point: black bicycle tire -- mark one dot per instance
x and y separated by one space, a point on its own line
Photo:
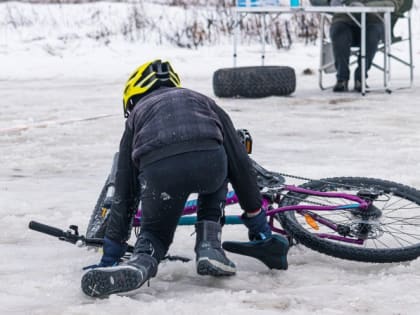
97 223
254 82
294 229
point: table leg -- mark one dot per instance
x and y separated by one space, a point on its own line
263 34
363 53
236 31
387 53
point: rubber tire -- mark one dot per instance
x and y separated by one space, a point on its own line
97 224
341 250
254 82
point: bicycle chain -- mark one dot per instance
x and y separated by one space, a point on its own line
295 176
318 180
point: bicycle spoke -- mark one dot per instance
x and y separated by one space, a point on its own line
387 207
402 221
415 236
374 241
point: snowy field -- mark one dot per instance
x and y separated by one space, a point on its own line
60 124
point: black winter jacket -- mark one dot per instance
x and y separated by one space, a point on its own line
170 121
371 18
167 122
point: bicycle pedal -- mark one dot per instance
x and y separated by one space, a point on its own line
176 258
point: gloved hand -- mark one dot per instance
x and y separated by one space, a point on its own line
258 227
113 251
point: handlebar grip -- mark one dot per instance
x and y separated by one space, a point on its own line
47 229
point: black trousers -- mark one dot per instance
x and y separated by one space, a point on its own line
344 36
166 185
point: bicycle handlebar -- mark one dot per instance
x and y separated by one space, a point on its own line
71 236
47 229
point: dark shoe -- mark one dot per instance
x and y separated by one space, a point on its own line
125 278
358 86
210 257
271 251
341 86
258 227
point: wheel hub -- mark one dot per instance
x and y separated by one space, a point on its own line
366 223
366 229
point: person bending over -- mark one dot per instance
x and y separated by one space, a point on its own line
176 142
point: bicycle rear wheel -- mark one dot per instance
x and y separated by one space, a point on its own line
390 233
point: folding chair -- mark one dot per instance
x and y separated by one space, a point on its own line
404 15
327 57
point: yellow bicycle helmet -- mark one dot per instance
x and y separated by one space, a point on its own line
147 77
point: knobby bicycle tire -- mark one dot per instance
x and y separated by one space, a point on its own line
97 222
99 217
395 237
254 82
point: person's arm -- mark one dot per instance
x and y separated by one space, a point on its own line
127 192
384 3
241 173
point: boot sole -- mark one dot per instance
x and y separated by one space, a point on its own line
102 282
208 267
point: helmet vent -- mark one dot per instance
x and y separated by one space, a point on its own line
146 78
133 75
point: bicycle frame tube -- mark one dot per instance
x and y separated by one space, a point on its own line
231 198
360 203
302 209
191 208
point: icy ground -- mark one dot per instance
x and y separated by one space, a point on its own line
60 124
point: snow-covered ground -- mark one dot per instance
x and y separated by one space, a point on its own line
60 124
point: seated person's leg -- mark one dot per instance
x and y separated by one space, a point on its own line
374 34
342 37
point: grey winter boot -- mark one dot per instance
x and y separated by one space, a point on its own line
210 257
125 278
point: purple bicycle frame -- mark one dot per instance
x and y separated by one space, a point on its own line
231 198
